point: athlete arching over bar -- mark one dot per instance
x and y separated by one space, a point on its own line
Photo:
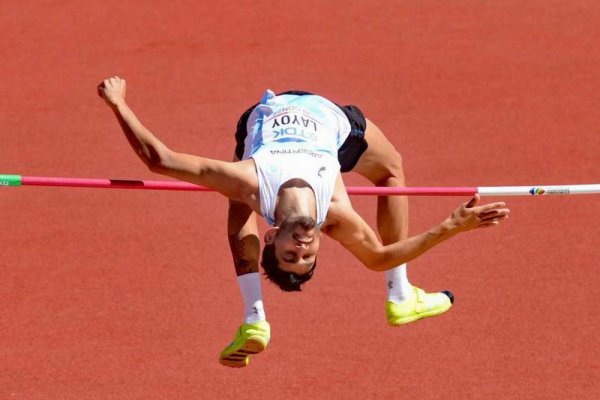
290 151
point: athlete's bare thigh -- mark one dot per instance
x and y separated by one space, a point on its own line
381 160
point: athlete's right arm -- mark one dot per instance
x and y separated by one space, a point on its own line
233 180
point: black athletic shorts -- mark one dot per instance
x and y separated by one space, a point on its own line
352 148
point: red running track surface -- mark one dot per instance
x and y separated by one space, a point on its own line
130 295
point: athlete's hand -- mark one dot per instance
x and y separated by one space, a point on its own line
112 90
471 216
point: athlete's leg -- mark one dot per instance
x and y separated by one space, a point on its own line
242 232
382 165
254 334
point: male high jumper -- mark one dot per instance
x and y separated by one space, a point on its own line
293 147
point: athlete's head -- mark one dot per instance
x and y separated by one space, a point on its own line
289 256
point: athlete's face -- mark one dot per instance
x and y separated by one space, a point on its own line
296 244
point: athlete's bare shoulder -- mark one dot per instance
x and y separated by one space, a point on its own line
247 169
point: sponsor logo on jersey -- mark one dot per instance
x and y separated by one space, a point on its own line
293 127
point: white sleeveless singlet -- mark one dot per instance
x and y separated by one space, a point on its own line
295 137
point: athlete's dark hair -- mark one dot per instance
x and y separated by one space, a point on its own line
287 281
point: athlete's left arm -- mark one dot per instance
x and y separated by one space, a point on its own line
348 228
352 232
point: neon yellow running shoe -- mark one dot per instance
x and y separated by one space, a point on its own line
249 339
419 305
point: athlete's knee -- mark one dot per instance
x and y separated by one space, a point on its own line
392 171
396 162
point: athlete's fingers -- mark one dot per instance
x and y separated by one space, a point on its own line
492 218
490 207
503 212
489 224
473 202
99 88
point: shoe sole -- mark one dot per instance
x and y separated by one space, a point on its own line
413 318
240 358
